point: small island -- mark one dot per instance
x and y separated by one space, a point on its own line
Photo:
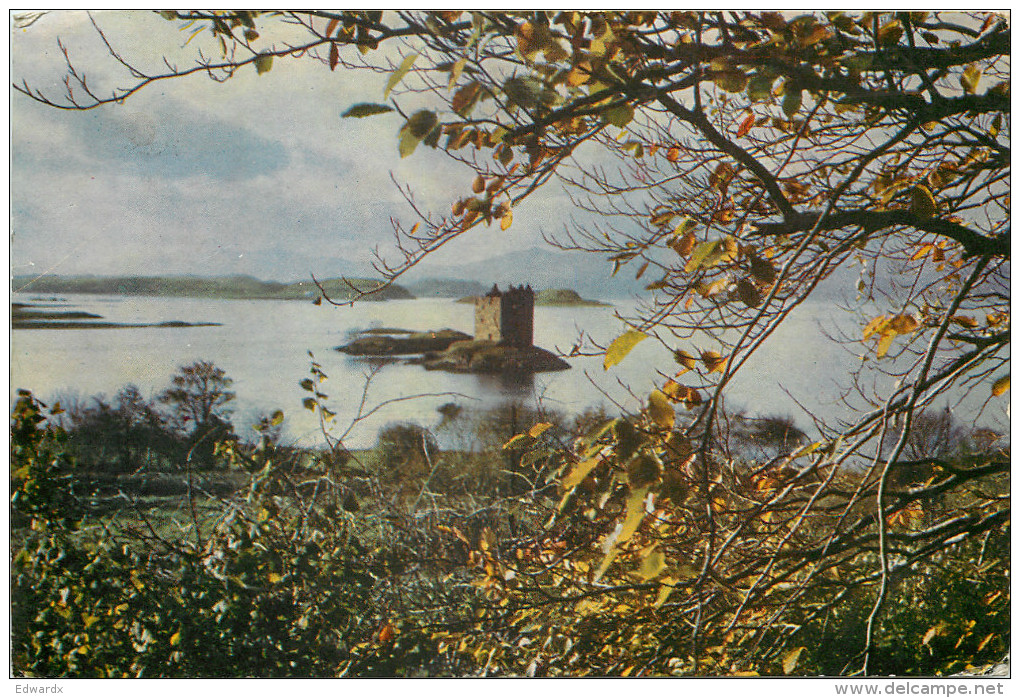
28 316
503 341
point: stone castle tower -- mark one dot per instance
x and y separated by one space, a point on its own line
507 318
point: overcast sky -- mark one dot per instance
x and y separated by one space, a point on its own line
258 175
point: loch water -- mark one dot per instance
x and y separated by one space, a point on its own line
264 347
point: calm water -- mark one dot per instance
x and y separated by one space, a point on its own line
264 345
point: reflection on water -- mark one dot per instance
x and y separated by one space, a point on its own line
513 386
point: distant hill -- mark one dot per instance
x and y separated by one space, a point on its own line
445 288
229 287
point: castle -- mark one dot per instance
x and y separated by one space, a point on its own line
507 318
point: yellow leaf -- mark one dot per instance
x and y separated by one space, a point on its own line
665 589
635 514
884 343
175 639
507 220
810 448
517 441
876 325
790 660
621 346
660 410
399 73
539 429
580 472
1001 385
652 565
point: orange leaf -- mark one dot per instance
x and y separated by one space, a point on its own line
673 154
387 633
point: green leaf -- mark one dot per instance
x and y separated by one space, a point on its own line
360 111
277 418
421 123
759 88
619 116
732 80
791 102
621 346
307 384
263 63
922 203
708 254
399 73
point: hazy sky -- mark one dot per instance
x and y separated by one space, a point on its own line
257 175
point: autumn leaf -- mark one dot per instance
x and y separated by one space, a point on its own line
652 564
683 245
387 633
621 346
399 73
922 203
660 410
748 294
745 125
507 220
762 270
580 472
673 154
884 344
539 429
902 324
360 111
684 359
970 78
1000 386
263 63
790 660
713 361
